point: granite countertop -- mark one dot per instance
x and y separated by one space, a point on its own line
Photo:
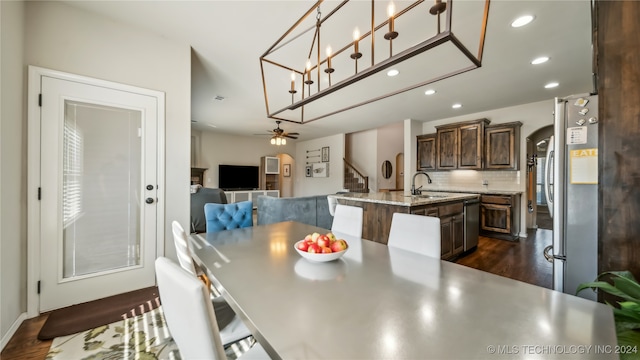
405 198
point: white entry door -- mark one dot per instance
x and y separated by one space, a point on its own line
98 216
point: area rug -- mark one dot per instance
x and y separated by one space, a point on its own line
90 315
144 337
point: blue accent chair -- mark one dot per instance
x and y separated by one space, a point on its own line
228 216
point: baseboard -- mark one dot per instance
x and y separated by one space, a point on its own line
12 330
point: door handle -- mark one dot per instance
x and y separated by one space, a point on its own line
548 187
546 254
550 257
149 200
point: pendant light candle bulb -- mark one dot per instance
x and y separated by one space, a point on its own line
356 39
329 56
391 10
308 70
293 80
392 34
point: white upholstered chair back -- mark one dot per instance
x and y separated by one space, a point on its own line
332 204
415 233
348 220
182 248
188 312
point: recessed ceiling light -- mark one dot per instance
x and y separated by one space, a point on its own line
393 72
456 106
522 21
430 92
540 60
551 85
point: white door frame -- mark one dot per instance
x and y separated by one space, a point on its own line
33 170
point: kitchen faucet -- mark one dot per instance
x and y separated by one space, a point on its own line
417 191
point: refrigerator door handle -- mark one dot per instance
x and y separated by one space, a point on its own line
550 257
547 172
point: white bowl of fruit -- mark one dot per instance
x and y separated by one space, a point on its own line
321 247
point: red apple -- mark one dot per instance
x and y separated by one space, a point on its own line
314 249
326 250
302 245
323 241
331 236
315 236
339 245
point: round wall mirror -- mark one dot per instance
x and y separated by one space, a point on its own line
387 169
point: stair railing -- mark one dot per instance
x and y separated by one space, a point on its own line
354 180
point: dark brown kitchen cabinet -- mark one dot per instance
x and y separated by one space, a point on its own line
451 230
426 152
461 145
502 146
498 216
447 145
470 145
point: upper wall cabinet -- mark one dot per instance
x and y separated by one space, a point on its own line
460 145
426 152
502 146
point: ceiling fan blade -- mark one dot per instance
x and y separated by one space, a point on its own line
293 133
290 137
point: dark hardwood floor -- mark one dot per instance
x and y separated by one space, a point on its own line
520 260
24 345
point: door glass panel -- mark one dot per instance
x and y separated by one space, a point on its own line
101 188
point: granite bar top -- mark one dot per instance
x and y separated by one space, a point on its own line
405 198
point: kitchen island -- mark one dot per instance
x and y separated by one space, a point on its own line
458 233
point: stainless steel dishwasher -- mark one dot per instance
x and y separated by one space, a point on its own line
471 224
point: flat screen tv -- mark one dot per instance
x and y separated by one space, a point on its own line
238 177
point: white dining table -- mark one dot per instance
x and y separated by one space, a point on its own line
378 302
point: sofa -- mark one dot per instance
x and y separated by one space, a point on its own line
198 199
311 210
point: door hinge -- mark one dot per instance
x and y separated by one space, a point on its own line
40 100
39 193
38 286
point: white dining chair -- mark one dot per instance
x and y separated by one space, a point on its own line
332 204
348 220
417 233
190 316
232 327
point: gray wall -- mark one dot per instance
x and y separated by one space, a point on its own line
61 37
13 156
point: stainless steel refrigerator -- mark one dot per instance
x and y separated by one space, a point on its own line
572 193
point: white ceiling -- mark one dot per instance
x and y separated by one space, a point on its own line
228 37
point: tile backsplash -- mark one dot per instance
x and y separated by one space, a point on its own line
472 180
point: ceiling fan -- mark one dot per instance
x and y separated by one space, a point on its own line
277 132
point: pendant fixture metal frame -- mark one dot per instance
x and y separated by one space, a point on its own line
323 64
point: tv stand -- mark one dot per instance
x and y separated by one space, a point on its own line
246 195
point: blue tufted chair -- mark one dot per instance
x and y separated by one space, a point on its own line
228 216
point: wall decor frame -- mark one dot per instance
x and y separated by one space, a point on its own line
325 154
320 169
286 170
